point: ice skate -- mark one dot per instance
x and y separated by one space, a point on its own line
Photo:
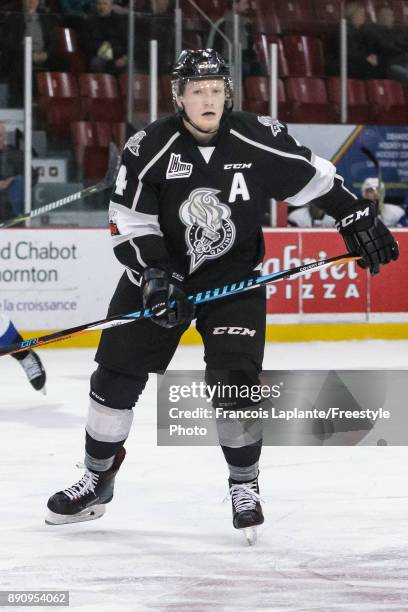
34 370
246 508
85 500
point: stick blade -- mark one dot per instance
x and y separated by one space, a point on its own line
370 156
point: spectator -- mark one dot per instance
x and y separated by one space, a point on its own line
362 61
75 11
76 8
157 25
250 64
391 214
121 7
104 39
11 178
310 216
42 29
390 43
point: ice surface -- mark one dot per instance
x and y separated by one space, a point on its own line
336 529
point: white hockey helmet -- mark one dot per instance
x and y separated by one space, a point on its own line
372 182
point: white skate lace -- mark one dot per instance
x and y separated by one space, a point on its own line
87 484
244 496
31 366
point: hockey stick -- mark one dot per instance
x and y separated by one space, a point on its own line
105 183
376 163
201 297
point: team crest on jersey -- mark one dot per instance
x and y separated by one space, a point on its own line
133 144
209 230
177 168
274 124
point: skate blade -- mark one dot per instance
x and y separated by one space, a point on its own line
89 514
250 535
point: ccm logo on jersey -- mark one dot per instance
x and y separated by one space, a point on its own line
236 166
353 217
234 331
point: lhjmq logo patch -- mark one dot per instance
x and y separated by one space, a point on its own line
209 229
133 144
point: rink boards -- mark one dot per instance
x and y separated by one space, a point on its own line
54 279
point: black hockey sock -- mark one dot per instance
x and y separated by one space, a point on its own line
99 456
243 461
243 456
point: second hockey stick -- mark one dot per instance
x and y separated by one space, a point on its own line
201 297
105 183
370 155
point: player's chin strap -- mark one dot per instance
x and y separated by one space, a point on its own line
183 115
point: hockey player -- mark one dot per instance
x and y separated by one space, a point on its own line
29 360
390 214
186 215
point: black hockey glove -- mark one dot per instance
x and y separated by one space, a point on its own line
158 293
366 235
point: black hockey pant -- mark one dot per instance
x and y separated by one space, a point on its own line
233 333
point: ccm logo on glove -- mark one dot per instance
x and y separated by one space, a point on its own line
349 219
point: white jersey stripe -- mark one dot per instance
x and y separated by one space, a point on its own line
320 183
149 165
341 179
259 145
131 276
138 255
131 223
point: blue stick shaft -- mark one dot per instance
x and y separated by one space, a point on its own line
201 297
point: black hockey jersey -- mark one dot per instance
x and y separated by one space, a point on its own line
197 210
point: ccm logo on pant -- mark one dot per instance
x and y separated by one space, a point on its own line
234 331
354 217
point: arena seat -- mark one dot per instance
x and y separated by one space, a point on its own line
327 10
358 108
401 12
68 49
100 97
265 19
214 9
192 19
107 132
293 15
369 6
261 45
328 14
91 157
304 55
310 103
59 101
257 97
388 101
140 90
165 96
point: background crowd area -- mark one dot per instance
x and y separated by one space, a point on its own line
80 61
